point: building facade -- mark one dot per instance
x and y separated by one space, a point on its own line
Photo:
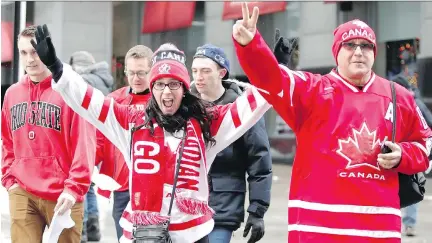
109 29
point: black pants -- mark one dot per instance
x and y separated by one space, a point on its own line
205 239
121 200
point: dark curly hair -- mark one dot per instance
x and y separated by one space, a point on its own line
191 107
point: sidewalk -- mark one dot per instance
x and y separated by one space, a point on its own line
275 220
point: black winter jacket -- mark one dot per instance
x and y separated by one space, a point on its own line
403 81
423 108
227 178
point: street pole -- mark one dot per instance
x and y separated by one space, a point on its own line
23 22
19 25
15 62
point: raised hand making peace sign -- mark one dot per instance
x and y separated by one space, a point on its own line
244 30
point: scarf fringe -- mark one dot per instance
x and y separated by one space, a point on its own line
148 218
193 206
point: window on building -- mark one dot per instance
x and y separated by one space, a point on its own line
187 39
8 15
7 70
196 33
289 21
402 59
367 11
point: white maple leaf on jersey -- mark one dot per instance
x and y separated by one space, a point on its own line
361 149
360 24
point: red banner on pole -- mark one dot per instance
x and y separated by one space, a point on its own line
232 10
165 16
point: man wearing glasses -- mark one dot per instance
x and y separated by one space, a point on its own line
343 187
137 66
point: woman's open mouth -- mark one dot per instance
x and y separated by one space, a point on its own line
167 102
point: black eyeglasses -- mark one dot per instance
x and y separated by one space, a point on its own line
363 46
171 85
140 74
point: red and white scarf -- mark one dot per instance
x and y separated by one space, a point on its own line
154 165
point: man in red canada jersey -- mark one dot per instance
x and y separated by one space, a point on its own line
342 188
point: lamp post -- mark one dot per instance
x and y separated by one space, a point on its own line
19 25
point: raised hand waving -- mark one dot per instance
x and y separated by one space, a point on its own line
46 51
44 46
244 30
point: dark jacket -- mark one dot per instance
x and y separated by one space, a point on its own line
423 108
227 178
403 81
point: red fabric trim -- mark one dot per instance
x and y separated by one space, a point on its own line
164 16
234 114
104 111
87 97
232 10
252 101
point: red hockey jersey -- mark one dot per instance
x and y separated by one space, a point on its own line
338 191
109 157
115 121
